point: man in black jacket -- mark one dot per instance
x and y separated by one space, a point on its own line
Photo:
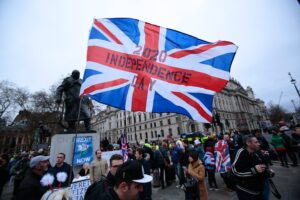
129 182
250 170
95 190
30 187
62 166
147 192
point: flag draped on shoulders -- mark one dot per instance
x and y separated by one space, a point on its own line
137 66
223 163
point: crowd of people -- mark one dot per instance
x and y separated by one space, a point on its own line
242 160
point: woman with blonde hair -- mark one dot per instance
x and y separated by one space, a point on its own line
85 170
196 172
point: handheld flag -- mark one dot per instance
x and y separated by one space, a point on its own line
124 147
138 66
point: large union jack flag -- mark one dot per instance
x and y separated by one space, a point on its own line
138 66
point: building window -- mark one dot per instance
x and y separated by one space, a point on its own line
170 131
150 125
141 136
140 118
193 128
145 117
145 126
169 121
178 130
146 135
140 127
162 133
155 133
151 134
161 123
154 124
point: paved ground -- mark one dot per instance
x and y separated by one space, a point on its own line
287 181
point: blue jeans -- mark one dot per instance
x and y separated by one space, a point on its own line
179 173
266 190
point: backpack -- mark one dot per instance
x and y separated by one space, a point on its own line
95 190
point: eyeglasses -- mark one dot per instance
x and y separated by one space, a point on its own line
115 166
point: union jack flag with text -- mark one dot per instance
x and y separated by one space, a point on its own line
137 66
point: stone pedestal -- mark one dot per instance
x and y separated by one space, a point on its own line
65 143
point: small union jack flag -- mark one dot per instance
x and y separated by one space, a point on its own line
138 66
124 147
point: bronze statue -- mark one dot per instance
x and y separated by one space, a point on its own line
71 88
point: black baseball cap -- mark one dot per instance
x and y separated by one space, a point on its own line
132 170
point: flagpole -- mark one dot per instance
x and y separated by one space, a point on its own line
125 124
75 139
134 121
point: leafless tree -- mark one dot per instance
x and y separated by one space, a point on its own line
21 98
277 113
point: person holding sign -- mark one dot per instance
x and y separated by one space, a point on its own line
85 170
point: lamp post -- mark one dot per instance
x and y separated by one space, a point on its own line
293 81
294 105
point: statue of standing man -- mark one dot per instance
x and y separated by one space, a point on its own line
71 88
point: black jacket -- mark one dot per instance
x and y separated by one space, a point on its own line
243 167
30 187
64 168
95 191
109 194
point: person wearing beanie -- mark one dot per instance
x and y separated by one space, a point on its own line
199 148
210 166
279 145
30 187
289 145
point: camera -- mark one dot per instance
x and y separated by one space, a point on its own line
270 173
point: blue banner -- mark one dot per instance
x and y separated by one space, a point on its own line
83 150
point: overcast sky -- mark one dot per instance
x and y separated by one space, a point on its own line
42 41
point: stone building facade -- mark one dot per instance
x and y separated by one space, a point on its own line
235 107
239 109
29 131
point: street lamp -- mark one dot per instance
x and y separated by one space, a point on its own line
293 81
